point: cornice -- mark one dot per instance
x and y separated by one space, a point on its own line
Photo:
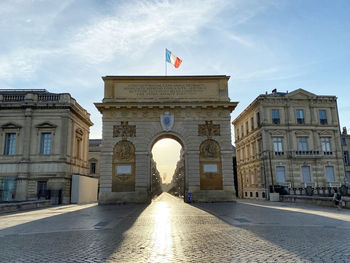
161 105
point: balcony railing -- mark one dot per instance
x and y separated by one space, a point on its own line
323 121
334 184
328 153
275 121
300 121
49 97
279 153
310 153
13 98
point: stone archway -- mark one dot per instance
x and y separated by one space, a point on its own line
194 110
179 140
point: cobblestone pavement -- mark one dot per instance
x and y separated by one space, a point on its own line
168 230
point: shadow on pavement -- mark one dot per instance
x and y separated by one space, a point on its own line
92 233
308 232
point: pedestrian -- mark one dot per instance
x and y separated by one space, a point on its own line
337 199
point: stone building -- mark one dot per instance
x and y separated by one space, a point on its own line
291 140
140 110
345 141
94 157
44 140
178 180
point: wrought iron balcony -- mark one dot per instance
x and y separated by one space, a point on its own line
279 153
306 154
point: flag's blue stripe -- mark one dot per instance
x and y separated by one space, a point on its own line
167 55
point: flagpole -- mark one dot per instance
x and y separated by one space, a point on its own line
165 64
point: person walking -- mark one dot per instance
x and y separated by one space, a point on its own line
337 199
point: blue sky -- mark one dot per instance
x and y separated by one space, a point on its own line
67 46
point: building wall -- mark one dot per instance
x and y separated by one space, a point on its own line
257 159
345 141
29 115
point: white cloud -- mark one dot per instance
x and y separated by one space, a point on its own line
139 24
21 63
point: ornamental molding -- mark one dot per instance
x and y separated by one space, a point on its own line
124 130
302 132
45 125
277 132
210 149
11 125
124 151
325 132
209 129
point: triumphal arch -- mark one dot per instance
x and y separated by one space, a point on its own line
140 110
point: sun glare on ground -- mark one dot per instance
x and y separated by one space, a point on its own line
166 153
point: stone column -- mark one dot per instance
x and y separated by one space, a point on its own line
192 171
227 170
27 134
21 189
334 115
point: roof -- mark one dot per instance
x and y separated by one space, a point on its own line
24 91
167 77
95 142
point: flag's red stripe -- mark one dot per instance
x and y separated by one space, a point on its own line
177 62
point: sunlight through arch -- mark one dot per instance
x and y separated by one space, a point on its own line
166 153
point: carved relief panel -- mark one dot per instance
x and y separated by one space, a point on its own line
123 177
124 130
210 165
209 129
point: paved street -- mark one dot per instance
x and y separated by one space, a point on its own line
168 230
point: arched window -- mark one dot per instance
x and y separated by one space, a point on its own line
123 167
210 165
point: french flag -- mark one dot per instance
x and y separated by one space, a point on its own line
171 58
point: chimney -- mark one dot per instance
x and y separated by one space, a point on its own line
345 132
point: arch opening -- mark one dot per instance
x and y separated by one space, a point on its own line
167 166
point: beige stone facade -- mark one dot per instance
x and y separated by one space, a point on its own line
139 111
44 140
94 157
345 141
291 140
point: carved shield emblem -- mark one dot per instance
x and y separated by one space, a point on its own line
167 121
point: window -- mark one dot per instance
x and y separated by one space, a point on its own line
252 177
246 127
302 143
7 188
237 132
92 168
258 118
252 122
275 116
280 174
326 145
323 116
277 144
78 151
10 143
305 171
346 158
343 141
330 174
347 176
45 143
42 191
254 148
300 116
242 131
